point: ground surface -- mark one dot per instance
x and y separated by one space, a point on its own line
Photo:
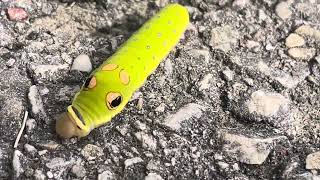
238 98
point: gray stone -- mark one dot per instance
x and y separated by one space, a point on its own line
78 170
174 121
132 161
313 161
91 152
248 150
153 176
283 10
267 104
16 163
224 38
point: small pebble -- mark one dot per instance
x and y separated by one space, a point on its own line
31 124
10 62
82 63
79 171
160 108
313 161
294 40
302 53
17 14
224 38
307 30
266 103
57 162
30 149
49 175
38 175
147 140
106 175
91 152
16 163
132 161
205 82
283 10
153 176
228 75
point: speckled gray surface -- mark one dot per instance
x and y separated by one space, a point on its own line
236 99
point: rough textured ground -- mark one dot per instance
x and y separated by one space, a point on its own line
238 98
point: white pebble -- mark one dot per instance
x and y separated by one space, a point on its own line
132 161
82 63
153 176
294 40
16 163
302 53
49 175
283 10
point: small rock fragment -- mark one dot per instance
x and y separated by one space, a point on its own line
294 40
307 30
153 176
224 38
10 62
79 171
147 140
31 124
313 161
267 104
17 14
132 161
252 44
35 100
57 163
240 3
16 164
38 175
30 149
161 108
188 111
302 53
50 145
106 175
248 81
283 10
82 63
228 75
205 82
168 67
91 152
200 53
248 150
49 174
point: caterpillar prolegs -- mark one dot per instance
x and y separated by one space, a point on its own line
109 87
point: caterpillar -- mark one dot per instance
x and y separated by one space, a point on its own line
109 87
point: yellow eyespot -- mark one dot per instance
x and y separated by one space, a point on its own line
113 100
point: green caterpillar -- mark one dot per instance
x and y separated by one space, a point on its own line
109 88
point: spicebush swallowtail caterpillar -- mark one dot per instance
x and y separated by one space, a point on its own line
110 87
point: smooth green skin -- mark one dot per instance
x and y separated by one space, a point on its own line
139 56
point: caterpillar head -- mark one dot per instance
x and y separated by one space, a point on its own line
69 124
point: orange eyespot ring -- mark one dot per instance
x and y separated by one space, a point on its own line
113 100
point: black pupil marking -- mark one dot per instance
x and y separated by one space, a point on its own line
86 84
78 115
116 102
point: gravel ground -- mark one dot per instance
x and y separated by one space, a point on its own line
238 98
